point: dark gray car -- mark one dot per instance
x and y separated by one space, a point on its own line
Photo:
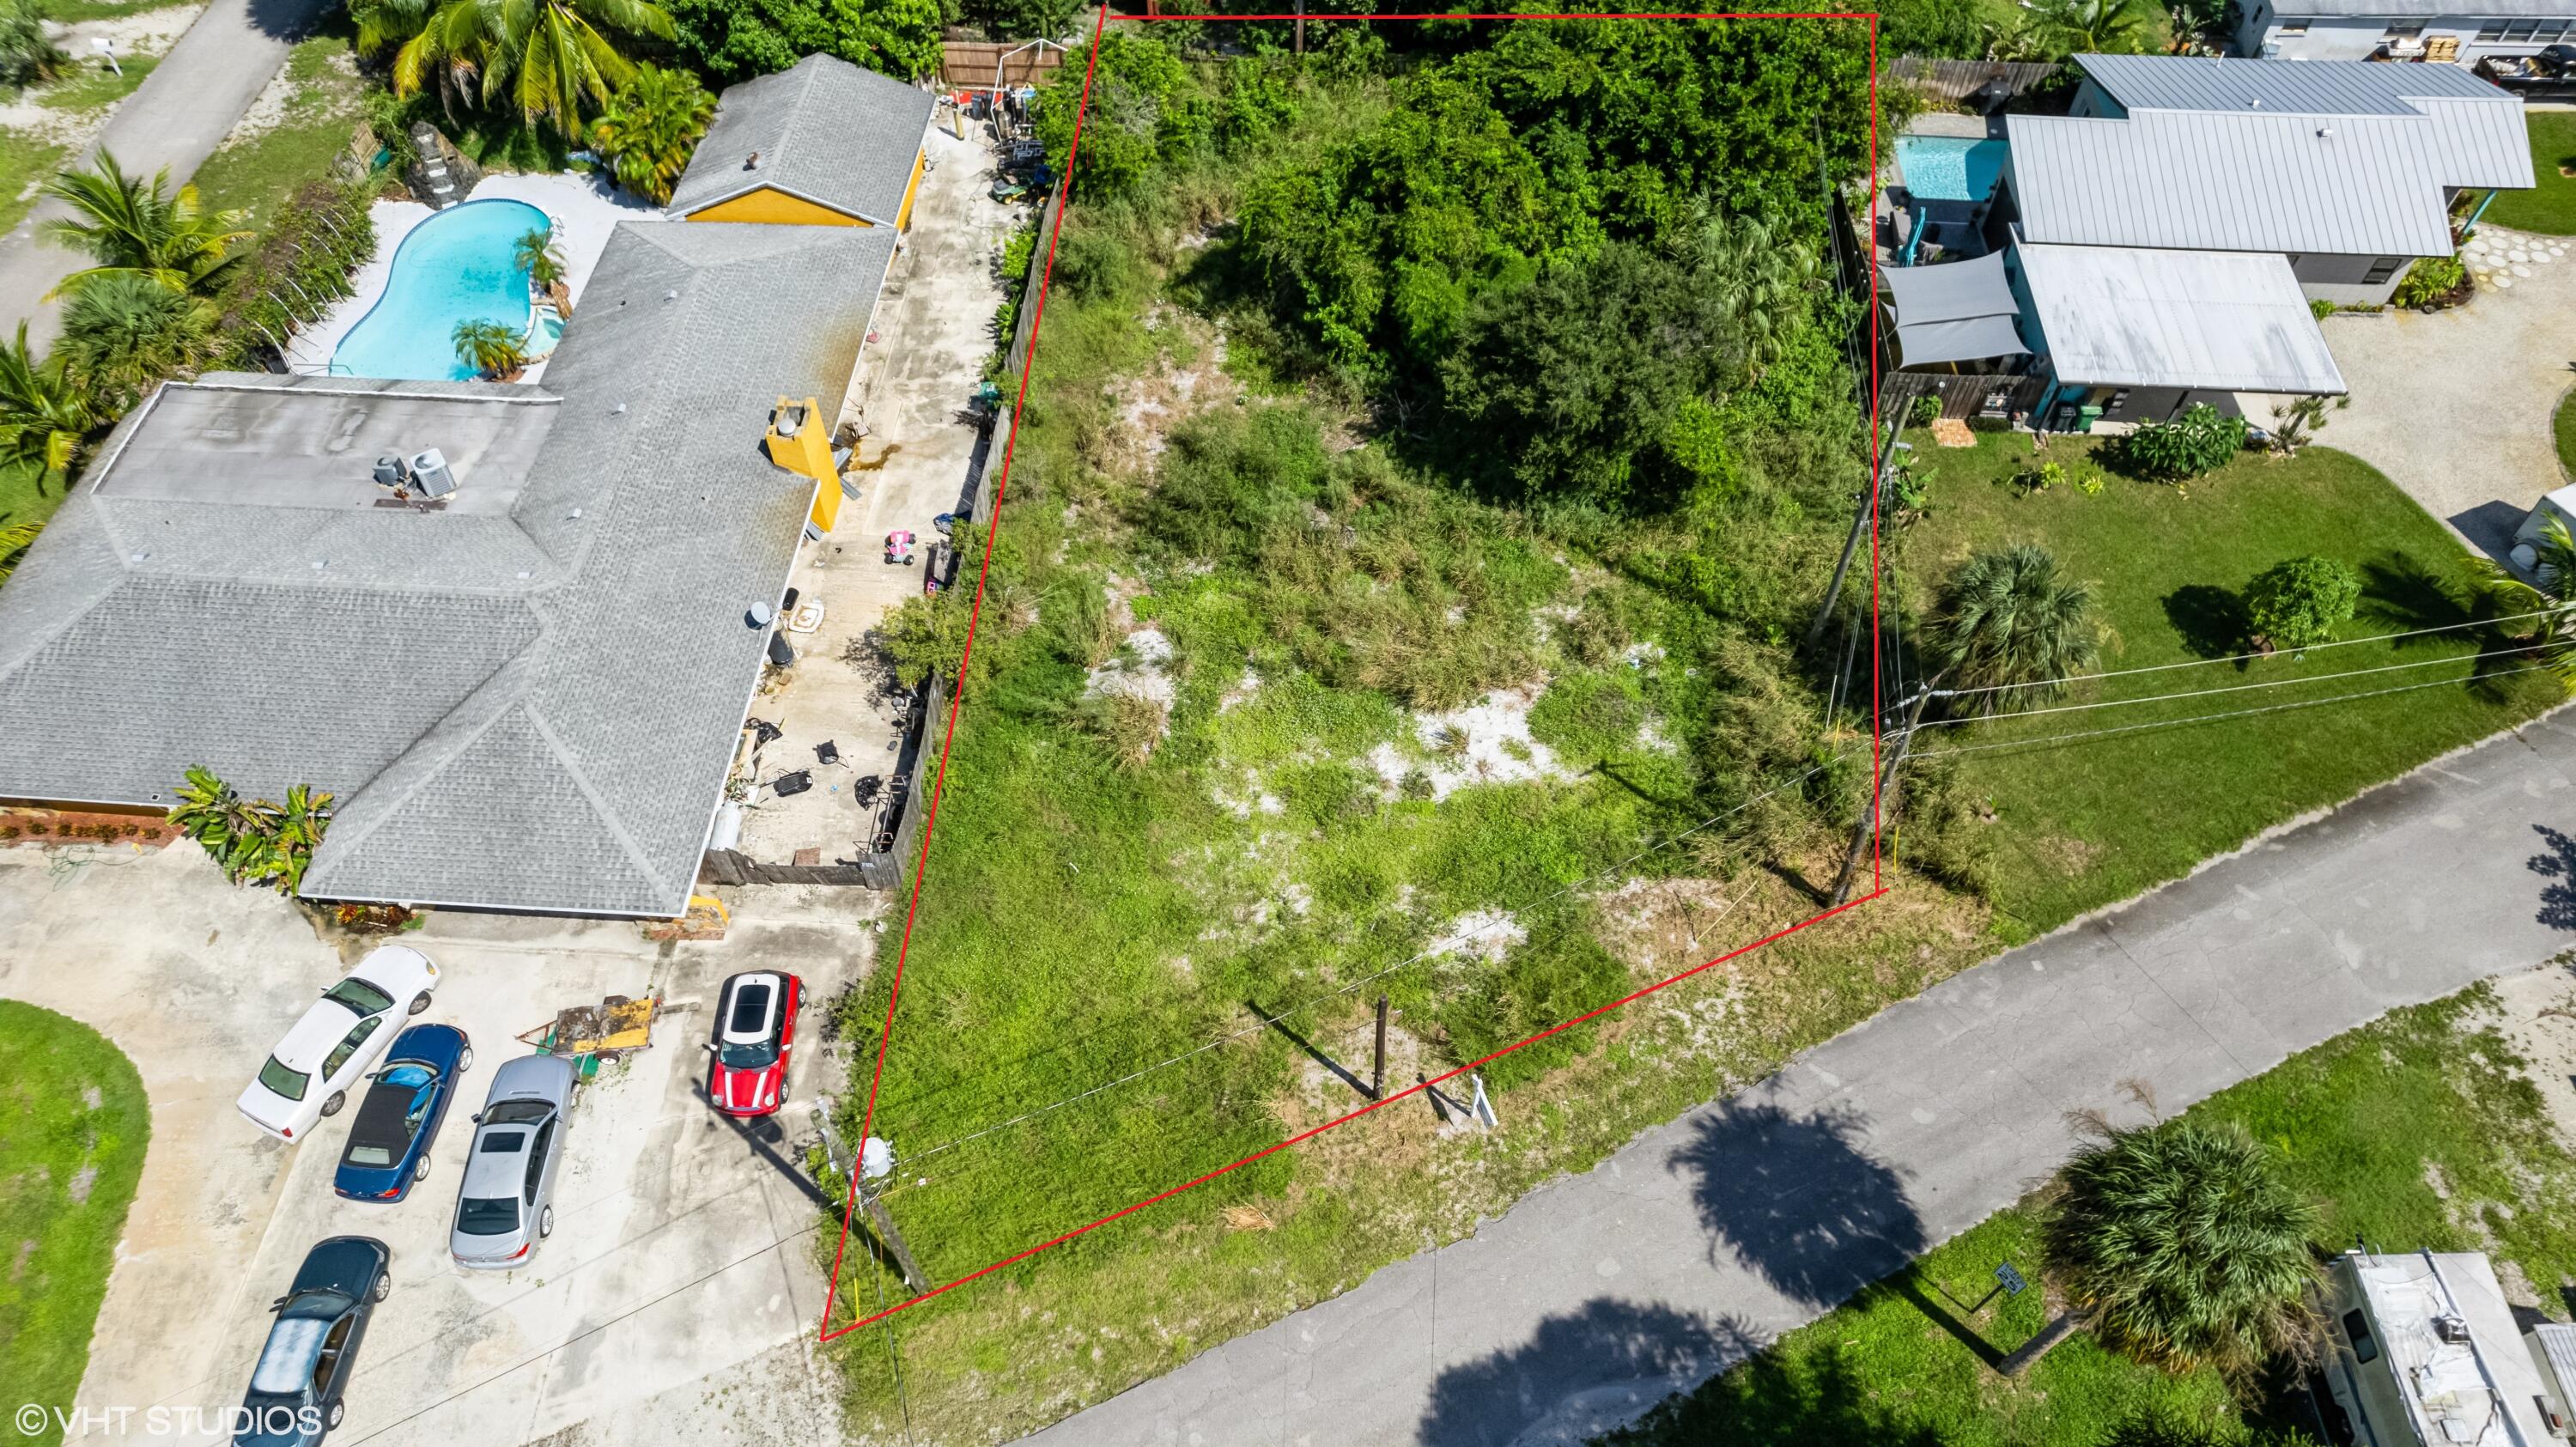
296 1385
506 1204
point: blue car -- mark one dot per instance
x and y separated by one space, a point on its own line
389 1142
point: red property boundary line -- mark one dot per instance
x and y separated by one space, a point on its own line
957 702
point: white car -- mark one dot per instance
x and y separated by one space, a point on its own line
338 1041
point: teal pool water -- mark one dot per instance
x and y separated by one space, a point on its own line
456 266
1949 168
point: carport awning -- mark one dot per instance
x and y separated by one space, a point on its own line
1955 312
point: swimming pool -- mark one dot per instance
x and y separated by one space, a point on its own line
456 266
1949 168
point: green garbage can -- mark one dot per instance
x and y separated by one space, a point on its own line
2086 416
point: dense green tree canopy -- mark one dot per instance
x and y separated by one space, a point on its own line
733 40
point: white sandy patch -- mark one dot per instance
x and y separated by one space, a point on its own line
1241 693
1485 934
1253 800
1651 735
268 111
152 32
1487 742
1139 669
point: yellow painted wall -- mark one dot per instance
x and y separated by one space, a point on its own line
809 452
903 218
775 208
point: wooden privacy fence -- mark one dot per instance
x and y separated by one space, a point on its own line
968 64
1025 319
1954 81
1962 398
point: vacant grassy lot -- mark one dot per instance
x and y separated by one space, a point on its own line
2550 206
2416 1131
73 1124
2087 821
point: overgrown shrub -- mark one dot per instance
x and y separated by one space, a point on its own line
1925 411
26 54
2432 281
301 266
2201 440
2299 603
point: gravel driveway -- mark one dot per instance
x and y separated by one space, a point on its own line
2455 407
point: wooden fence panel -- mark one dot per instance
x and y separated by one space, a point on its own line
968 64
1955 81
1962 398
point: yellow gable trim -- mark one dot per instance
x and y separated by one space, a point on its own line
775 208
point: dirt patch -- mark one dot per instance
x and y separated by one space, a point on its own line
83 1182
1188 377
1659 926
2537 1016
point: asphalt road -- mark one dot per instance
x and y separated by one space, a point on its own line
176 118
1708 1236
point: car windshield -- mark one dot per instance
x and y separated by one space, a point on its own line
281 1080
408 1075
517 1112
285 1365
359 996
747 1057
487 1215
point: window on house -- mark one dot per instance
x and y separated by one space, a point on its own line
2520 31
2382 268
2356 1329
2292 27
2491 30
2550 31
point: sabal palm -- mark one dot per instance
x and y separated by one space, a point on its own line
2544 610
122 334
547 57
2012 627
43 415
2080 27
133 227
2180 1245
650 127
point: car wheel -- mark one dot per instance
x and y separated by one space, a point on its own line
338 1099
421 1172
545 1223
465 1060
420 1002
331 1418
383 1288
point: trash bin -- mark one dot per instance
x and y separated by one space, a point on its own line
2086 416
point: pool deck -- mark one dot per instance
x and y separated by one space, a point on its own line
585 211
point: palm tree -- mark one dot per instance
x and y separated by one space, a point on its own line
15 539
2545 608
43 416
1761 278
549 57
2093 27
650 127
2179 1245
536 251
125 332
2007 632
492 348
130 227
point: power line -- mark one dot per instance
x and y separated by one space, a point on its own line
1440 947
2215 717
2230 688
2242 657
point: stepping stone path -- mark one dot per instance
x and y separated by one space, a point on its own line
2496 260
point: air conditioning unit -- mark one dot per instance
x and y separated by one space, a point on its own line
392 471
431 476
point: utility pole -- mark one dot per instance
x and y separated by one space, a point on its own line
1301 27
1377 1072
1860 522
875 1163
1875 811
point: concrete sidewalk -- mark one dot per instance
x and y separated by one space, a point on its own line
176 118
1706 1237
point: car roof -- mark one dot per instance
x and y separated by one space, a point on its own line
437 1045
324 1024
771 980
383 1117
497 1173
345 1264
532 1077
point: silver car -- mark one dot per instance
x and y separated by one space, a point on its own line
506 1205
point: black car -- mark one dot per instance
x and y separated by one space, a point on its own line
312 1349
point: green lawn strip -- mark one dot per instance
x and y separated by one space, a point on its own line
257 173
25 496
26 161
73 1125
2562 430
2550 206
2091 821
2415 1131
72 12
94 87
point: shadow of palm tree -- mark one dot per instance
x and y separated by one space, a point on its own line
2400 594
1580 1374
2557 863
1799 1200
2211 621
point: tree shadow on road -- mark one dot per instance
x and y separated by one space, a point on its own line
1583 1372
1799 1200
2557 864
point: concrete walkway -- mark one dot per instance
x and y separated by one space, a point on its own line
2455 406
176 118
1706 1237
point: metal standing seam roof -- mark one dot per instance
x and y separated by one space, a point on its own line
2479 138
2423 9
823 130
528 711
2121 316
2353 185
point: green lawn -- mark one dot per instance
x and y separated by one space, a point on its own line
2550 206
73 1124
73 11
2086 822
2562 428
2367 1123
256 174
91 86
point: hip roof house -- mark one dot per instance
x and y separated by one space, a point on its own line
822 143
526 693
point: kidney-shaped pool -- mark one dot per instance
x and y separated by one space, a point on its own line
459 265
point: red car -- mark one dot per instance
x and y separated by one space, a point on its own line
755 1028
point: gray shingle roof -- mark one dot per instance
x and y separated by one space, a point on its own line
823 129
2211 181
2219 320
2477 129
519 708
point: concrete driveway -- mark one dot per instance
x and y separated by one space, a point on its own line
2455 407
677 1296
